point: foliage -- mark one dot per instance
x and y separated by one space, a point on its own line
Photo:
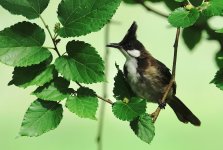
181 17
82 64
129 109
143 127
22 47
41 116
87 16
84 103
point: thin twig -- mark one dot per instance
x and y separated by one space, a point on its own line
101 98
105 91
169 86
51 36
105 100
148 8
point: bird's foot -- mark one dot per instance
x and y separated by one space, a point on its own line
162 105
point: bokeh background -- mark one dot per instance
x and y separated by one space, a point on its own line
194 72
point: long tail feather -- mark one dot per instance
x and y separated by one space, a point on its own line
183 113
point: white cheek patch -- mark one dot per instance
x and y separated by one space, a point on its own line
134 53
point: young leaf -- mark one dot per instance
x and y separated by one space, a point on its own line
85 104
41 116
83 64
21 45
121 88
192 36
29 8
143 127
130 109
214 8
181 17
57 90
218 79
80 17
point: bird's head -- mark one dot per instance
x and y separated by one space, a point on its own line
130 46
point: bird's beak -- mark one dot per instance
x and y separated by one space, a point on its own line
114 45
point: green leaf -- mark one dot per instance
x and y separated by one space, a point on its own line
21 45
80 17
41 116
192 36
219 31
33 75
121 88
85 104
214 8
130 109
83 64
143 127
181 17
218 79
56 90
29 8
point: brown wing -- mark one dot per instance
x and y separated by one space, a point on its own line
165 75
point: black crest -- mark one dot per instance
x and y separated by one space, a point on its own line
130 41
131 34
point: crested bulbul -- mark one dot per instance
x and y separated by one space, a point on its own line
148 77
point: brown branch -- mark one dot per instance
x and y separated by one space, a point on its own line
148 8
169 86
105 100
51 36
101 98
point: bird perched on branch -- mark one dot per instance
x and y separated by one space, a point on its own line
149 78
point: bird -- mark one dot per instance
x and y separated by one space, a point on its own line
148 78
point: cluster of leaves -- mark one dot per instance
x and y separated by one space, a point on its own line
21 46
198 16
193 17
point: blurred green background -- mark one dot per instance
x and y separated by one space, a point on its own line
194 72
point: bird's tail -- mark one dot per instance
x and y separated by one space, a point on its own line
182 112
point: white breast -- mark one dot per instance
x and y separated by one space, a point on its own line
131 66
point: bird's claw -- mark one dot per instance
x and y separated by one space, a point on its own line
162 105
